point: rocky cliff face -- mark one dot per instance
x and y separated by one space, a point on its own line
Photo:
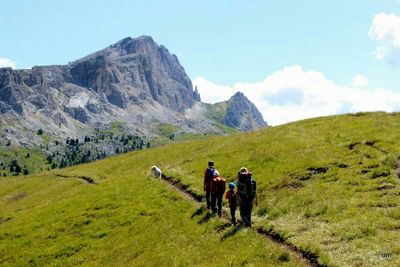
242 114
129 70
135 69
134 81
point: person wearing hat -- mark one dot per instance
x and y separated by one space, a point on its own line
246 190
231 196
208 177
218 186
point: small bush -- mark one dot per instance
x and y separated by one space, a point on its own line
284 257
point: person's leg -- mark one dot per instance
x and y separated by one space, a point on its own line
250 208
243 212
247 211
208 199
219 203
233 210
213 203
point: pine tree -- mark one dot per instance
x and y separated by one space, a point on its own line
18 169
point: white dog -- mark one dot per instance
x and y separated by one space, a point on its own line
156 171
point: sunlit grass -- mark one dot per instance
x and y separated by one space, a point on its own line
327 185
126 219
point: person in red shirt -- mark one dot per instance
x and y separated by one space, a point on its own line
231 196
218 187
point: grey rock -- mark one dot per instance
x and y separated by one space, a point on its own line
196 95
242 114
134 81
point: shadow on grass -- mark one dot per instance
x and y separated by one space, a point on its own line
231 232
206 217
198 212
220 228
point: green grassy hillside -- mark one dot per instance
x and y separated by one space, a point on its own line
327 185
124 218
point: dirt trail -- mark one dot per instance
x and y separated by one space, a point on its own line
299 254
87 179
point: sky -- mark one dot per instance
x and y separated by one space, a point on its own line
292 59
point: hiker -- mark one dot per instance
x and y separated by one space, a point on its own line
218 186
231 196
208 176
156 172
246 189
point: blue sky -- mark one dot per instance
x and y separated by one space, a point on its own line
224 42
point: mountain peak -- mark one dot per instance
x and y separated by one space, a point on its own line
239 95
242 114
135 45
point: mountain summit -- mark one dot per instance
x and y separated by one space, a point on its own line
242 114
134 82
136 68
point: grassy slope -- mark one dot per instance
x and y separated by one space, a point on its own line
328 185
216 112
126 219
348 215
35 162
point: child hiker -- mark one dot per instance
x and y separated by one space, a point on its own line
231 196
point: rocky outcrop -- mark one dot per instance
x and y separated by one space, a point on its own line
134 81
133 68
242 114
127 70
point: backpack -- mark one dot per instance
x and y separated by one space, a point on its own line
209 175
247 186
220 185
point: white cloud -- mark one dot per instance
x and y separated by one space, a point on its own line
292 94
360 81
5 62
385 30
210 92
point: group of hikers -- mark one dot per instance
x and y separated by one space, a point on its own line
244 195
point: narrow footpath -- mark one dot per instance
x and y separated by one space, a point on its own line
301 255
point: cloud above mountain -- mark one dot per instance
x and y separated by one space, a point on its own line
293 93
385 30
5 62
360 81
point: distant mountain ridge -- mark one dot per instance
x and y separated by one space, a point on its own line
134 81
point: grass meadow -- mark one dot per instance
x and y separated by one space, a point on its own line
125 218
326 185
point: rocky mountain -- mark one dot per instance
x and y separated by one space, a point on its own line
242 114
134 82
